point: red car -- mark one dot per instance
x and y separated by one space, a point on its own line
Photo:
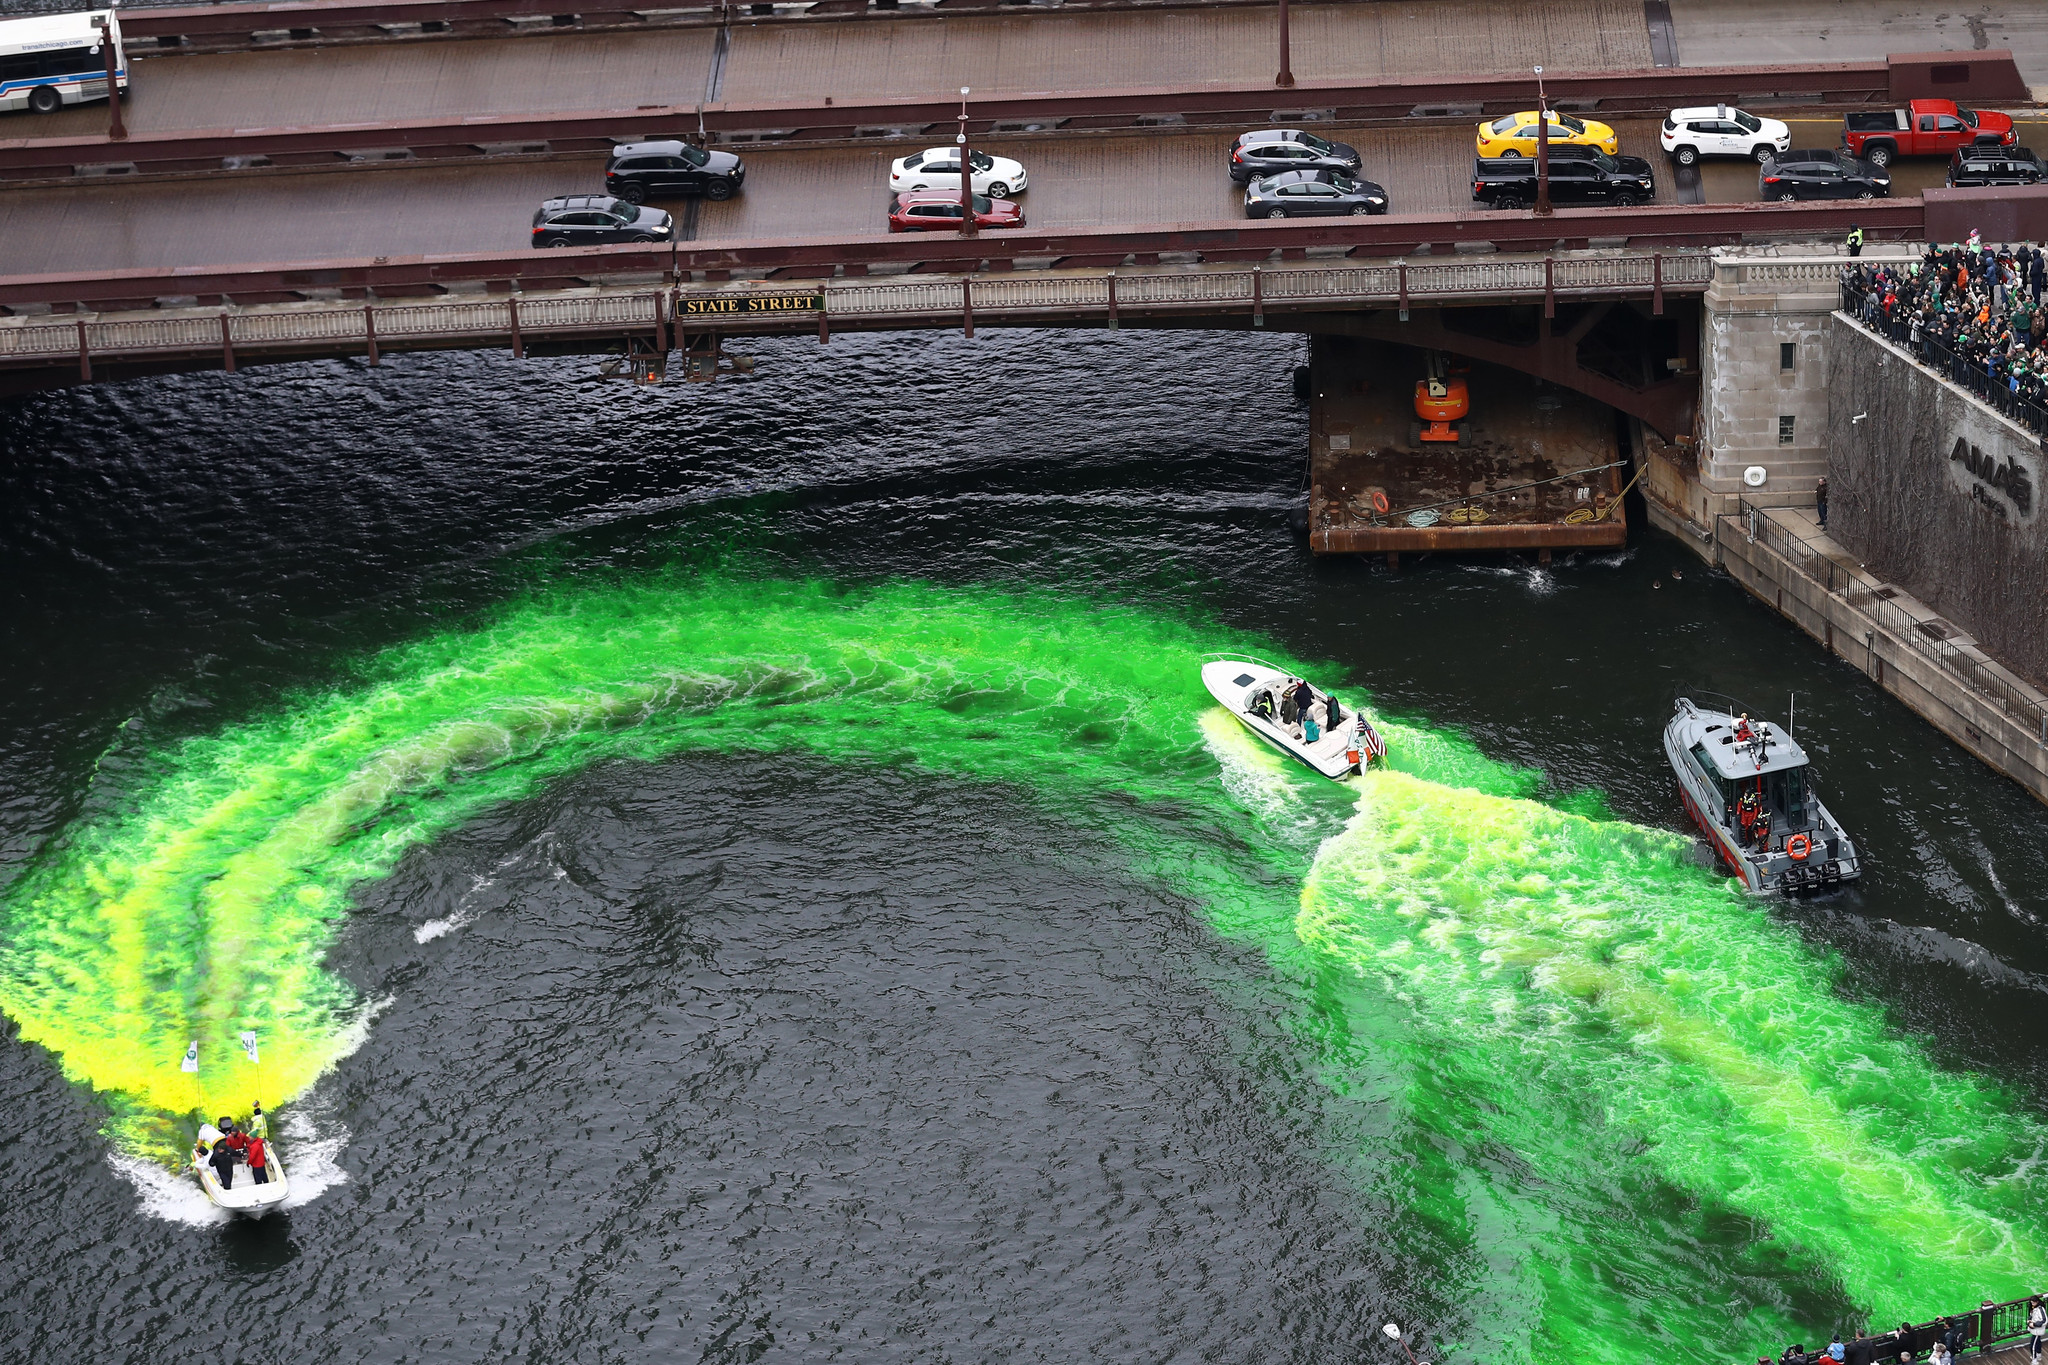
1924 128
939 211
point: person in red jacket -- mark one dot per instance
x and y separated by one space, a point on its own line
259 1161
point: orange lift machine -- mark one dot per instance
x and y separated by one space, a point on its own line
1441 403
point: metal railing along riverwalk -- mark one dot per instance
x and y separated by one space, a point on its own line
1981 1328
1928 639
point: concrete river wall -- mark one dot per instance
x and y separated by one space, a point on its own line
1934 491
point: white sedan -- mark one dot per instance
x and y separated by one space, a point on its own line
1721 130
938 168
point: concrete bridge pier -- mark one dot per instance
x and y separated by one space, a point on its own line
1764 391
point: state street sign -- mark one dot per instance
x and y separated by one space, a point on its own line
736 305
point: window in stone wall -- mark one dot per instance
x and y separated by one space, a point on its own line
1788 354
1785 431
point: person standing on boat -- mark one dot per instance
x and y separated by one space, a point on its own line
2037 1326
259 1126
1304 697
259 1157
225 1149
1290 711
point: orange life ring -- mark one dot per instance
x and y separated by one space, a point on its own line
1799 846
1379 501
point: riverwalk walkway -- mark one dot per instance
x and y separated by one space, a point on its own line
1907 647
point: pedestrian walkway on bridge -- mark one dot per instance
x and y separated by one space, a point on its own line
771 62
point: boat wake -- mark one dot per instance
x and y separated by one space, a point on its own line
1600 1088
173 1196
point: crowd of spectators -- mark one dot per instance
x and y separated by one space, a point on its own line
1940 1342
1973 311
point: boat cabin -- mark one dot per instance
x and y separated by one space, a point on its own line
1757 760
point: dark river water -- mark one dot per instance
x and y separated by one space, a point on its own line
746 873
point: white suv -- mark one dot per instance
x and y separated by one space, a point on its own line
1722 130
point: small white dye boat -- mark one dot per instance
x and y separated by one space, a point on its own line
1256 693
1745 784
244 1198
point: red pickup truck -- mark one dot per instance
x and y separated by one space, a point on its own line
1923 128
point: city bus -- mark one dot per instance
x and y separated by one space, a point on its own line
56 59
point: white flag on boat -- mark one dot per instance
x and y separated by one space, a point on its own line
191 1062
249 1046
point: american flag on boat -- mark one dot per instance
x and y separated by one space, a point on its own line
1370 741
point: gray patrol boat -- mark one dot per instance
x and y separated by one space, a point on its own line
1744 783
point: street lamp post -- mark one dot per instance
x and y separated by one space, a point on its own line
1393 1331
967 225
117 131
1285 80
1542 149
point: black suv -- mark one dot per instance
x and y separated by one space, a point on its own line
1822 173
1257 155
1587 175
640 171
596 219
1995 166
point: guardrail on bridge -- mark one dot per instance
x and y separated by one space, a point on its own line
1645 232
661 315
235 27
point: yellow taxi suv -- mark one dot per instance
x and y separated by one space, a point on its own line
1515 135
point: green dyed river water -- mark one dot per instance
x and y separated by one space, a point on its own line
752 873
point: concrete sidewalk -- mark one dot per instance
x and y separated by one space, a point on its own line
1184 48
1757 32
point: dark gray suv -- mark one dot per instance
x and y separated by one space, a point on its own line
598 220
640 171
1258 155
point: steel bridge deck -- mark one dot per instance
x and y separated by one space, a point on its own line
852 62
1077 181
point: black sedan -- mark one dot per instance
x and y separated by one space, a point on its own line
640 171
1288 149
1311 194
1822 174
597 219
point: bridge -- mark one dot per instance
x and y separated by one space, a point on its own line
354 177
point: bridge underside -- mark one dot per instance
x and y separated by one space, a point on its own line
1533 466
1614 351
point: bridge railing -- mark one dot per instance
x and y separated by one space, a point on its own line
737 306
1280 285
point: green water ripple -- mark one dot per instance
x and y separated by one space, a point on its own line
1613 1102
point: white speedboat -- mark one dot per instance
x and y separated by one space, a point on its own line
245 1198
1744 783
1251 690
